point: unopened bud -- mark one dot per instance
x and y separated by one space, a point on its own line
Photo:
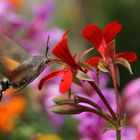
74 99
66 100
69 109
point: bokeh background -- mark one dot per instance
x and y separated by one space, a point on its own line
29 22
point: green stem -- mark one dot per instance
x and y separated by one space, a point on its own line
118 134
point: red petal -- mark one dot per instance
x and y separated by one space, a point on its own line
65 34
94 61
111 30
49 76
110 50
94 34
138 138
129 56
61 51
66 81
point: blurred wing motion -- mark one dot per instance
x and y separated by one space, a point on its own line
11 56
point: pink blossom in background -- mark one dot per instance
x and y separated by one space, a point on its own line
131 103
128 133
11 22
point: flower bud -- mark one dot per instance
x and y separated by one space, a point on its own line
69 109
66 100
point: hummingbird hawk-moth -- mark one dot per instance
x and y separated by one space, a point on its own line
17 66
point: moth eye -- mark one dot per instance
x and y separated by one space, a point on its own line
48 60
5 80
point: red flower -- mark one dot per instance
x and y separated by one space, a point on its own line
62 52
138 138
102 40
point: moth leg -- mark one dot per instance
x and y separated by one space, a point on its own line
4 85
1 93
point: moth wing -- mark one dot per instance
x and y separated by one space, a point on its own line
8 48
20 72
7 66
14 70
13 91
11 55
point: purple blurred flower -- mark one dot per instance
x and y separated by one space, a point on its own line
30 34
131 103
51 91
44 12
128 133
10 21
36 31
3 8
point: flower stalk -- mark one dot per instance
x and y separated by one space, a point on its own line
113 68
118 134
74 99
71 108
103 99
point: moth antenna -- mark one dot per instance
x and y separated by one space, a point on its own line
47 48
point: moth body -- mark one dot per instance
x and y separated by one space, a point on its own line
18 66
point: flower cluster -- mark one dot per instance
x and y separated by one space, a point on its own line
105 45
76 71
104 42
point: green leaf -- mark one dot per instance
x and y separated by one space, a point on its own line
85 65
108 126
125 63
117 76
77 82
85 53
83 76
102 66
